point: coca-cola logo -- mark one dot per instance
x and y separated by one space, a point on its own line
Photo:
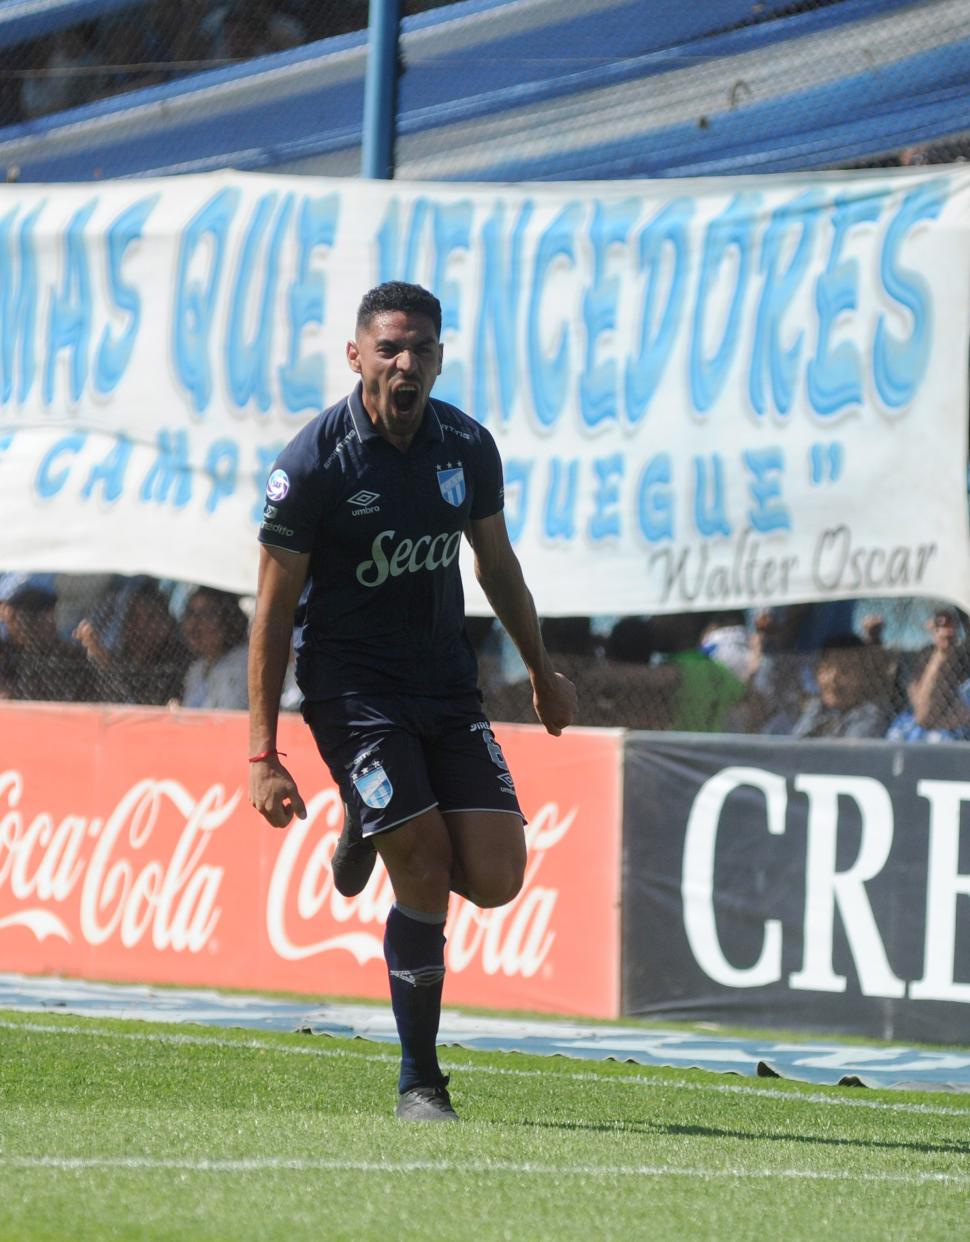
119 878
513 940
126 891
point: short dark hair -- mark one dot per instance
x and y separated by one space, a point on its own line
630 640
398 295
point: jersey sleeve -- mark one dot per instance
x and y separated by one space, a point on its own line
489 494
294 499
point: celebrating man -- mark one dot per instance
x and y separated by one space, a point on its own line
365 512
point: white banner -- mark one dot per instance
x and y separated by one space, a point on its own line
707 394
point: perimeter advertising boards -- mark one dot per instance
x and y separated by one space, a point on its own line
129 852
798 884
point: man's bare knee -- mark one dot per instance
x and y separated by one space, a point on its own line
497 889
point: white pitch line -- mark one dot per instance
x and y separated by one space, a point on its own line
285 1164
680 1084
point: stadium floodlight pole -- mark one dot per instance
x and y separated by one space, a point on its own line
380 90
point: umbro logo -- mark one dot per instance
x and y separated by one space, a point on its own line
363 502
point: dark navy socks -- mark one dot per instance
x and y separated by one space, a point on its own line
414 949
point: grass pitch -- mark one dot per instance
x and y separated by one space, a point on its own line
130 1130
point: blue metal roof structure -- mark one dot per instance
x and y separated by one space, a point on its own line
543 90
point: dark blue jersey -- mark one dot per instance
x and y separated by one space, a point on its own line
383 609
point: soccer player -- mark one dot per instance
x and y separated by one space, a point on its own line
365 511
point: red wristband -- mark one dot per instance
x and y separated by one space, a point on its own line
266 754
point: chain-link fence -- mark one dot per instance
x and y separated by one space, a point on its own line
862 668
142 45
534 89
686 76
839 669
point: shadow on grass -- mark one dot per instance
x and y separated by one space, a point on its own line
656 1127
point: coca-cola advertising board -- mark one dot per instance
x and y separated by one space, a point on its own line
129 852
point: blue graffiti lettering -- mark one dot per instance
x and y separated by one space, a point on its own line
18 305
776 296
899 366
195 298
498 312
392 265
452 232
768 511
643 373
222 468
301 379
610 229
560 507
49 480
710 515
655 504
247 362
734 227
549 377
108 475
170 472
113 354
605 520
70 310
835 373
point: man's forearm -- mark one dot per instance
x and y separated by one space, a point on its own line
269 653
512 602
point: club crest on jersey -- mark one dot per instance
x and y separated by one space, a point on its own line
451 481
374 787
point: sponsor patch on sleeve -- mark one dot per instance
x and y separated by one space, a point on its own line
278 485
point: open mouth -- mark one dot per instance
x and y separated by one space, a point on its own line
405 398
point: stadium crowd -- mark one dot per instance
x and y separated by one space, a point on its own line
148 45
838 669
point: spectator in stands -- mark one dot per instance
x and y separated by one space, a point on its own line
571 640
704 695
215 629
914 157
11 86
8 672
245 29
939 692
885 661
778 676
148 660
726 640
83 595
61 72
180 33
323 21
629 642
128 54
623 689
39 664
850 702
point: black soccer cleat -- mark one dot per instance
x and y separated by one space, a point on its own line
353 859
425 1104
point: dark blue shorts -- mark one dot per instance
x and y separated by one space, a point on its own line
393 757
